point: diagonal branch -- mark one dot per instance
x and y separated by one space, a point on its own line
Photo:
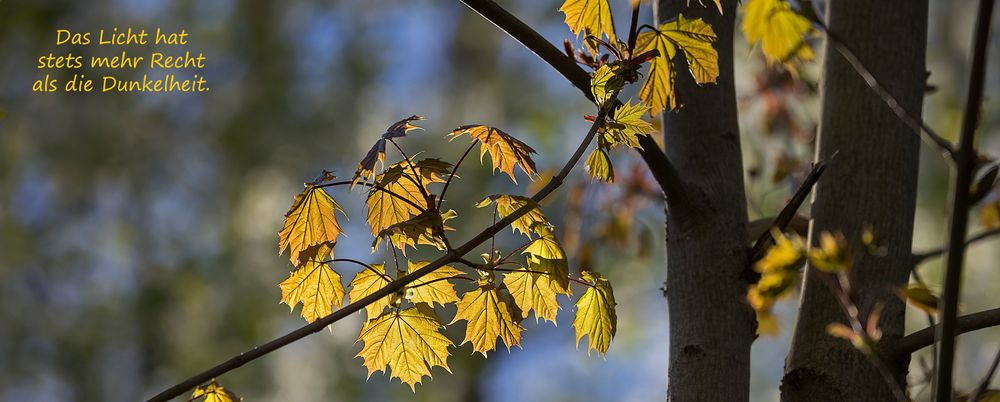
453 255
915 123
661 167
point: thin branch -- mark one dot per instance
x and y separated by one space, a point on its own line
542 273
915 123
921 257
466 278
781 222
390 288
661 167
985 382
454 170
366 266
419 181
925 337
375 187
633 30
965 167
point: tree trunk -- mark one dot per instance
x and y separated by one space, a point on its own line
871 181
711 325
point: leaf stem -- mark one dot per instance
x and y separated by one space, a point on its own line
454 170
419 181
376 187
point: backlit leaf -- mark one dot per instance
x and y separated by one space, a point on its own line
505 150
387 202
626 126
693 38
545 254
590 17
432 288
408 342
376 155
421 229
315 284
920 297
779 29
599 166
311 220
366 282
507 204
595 314
532 291
213 392
605 84
489 315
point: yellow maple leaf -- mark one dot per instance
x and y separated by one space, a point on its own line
387 202
312 220
315 284
433 287
376 155
368 281
488 313
626 126
779 30
213 392
599 166
590 17
832 255
507 204
424 228
545 254
409 342
605 83
533 291
693 38
505 150
595 314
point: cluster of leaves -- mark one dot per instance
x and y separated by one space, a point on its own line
403 332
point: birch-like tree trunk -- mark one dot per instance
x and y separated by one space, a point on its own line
871 181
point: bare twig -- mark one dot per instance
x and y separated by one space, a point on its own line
915 123
921 257
781 222
965 167
661 167
925 337
985 382
375 187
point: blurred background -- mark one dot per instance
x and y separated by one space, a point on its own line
138 232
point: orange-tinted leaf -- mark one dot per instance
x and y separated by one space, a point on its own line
505 150
376 155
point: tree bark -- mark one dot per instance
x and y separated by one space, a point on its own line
711 325
871 181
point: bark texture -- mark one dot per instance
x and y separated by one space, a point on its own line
871 181
711 325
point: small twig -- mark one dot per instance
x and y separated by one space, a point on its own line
985 382
915 123
454 170
633 30
542 273
419 181
375 187
367 267
781 222
919 258
925 337
466 278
